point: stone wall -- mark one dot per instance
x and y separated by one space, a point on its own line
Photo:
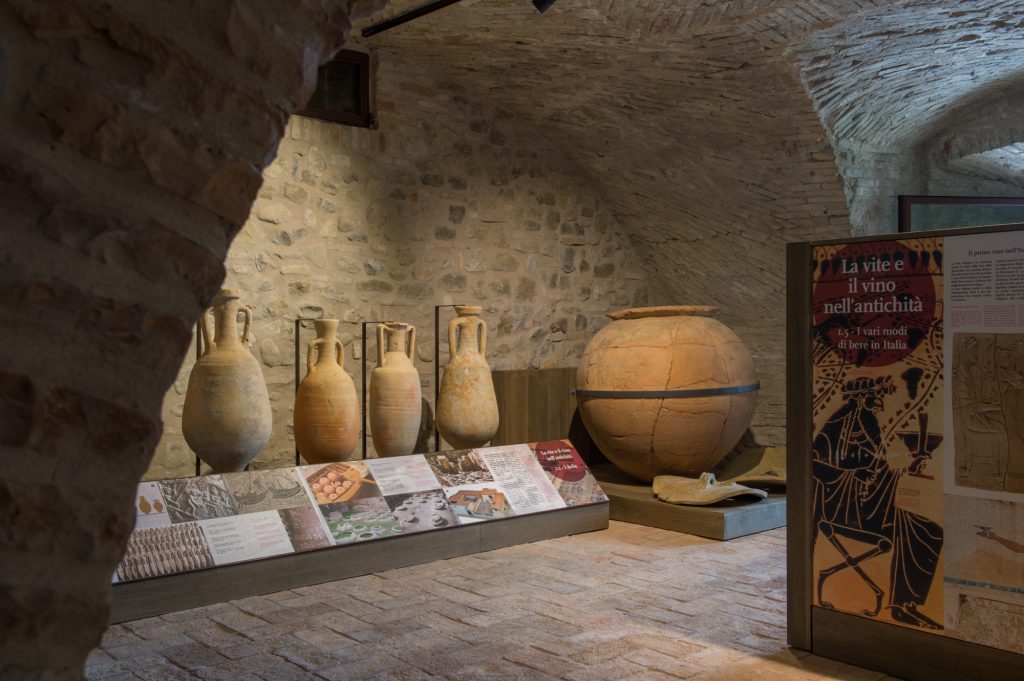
688 120
447 201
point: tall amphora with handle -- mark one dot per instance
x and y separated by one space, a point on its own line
395 395
467 410
326 406
226 418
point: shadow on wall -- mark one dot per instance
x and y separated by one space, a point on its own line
425 438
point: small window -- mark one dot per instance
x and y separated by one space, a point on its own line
342 91
920 213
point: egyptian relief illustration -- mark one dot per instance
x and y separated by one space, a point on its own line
988 410
877 447
196 498
984 571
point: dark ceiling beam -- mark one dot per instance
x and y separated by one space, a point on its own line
406 17
541 5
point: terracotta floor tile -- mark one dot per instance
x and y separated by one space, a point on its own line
629 602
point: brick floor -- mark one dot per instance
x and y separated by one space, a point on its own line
630 602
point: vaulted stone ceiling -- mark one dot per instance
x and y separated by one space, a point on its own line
709 126
682 114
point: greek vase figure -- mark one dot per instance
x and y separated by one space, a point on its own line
395 401
467 410
226 418
326 406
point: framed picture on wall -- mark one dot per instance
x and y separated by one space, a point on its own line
922 213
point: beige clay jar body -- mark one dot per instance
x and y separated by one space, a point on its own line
467 409
326 405
226 419
395 395
676 348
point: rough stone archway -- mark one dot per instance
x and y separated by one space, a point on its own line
134 136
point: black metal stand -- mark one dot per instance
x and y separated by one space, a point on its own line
298 358
365 397
437 367
199 353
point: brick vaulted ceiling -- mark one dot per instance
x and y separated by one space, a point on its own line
708 125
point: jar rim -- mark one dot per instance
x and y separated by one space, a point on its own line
664 311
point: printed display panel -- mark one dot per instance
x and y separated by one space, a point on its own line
195 523
915 379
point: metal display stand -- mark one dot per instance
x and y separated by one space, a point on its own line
437 367
199 353
298 359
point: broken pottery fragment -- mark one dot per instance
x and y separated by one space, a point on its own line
700 492
759 466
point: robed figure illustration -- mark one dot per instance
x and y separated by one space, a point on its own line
855 507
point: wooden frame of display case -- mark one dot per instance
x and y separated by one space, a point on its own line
905 652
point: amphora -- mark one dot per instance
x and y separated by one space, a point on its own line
326 406
226 418
467 410
395 397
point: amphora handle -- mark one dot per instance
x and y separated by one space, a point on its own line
311 350
316 347
205 337
453 336
247 313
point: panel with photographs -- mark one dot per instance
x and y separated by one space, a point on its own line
917 404
196 523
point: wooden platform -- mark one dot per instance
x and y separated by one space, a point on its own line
150 597
632 501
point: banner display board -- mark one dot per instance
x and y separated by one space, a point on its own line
917 444
190 524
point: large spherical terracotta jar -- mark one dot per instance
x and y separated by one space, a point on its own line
666 390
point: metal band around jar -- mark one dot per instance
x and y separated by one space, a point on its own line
666 394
